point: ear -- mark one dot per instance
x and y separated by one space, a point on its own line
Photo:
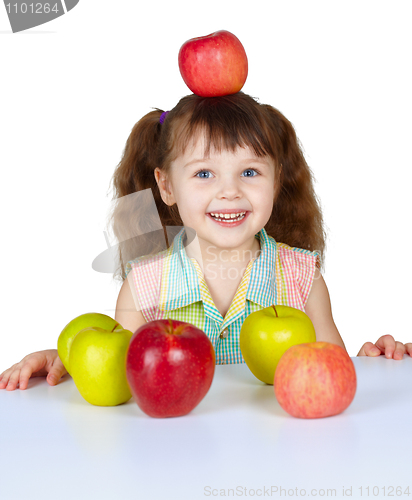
165 188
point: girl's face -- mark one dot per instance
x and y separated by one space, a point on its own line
224 181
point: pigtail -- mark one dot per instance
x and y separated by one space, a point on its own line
134 218
135 170
296 217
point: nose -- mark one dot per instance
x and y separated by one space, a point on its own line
229 187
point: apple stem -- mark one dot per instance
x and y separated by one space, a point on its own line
116 325
275 310
171 325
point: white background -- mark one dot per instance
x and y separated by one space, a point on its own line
72 89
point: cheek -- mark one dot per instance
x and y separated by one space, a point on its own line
263 195
192 201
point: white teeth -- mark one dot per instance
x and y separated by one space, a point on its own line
231 217
227 216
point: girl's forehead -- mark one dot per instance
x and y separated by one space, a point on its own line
197 147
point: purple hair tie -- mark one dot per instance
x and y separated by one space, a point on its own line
163 116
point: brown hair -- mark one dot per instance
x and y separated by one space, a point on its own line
228 122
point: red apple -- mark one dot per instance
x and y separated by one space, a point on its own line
314 380
213 65
169 367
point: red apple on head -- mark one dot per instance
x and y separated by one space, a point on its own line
314 380
169 367
213 65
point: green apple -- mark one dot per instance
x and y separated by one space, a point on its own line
266 334
97 361
73 328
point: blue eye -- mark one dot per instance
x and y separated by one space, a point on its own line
247 170
251 170
201 172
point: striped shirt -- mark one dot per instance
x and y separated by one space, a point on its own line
171 285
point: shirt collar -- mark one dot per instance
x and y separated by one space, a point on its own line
180 283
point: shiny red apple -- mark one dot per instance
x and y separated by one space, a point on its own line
213 65
169 367
315 380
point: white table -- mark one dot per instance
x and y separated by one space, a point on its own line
53 444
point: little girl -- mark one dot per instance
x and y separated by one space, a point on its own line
231 170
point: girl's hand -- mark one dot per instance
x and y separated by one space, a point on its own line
386 345
37 364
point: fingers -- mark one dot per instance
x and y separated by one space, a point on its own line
34 364
10 379
387 346
56 371
14 380
5 377
25 373
400 350
369 349
390 348
408 348
18 373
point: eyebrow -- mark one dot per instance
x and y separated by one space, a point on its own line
247 160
